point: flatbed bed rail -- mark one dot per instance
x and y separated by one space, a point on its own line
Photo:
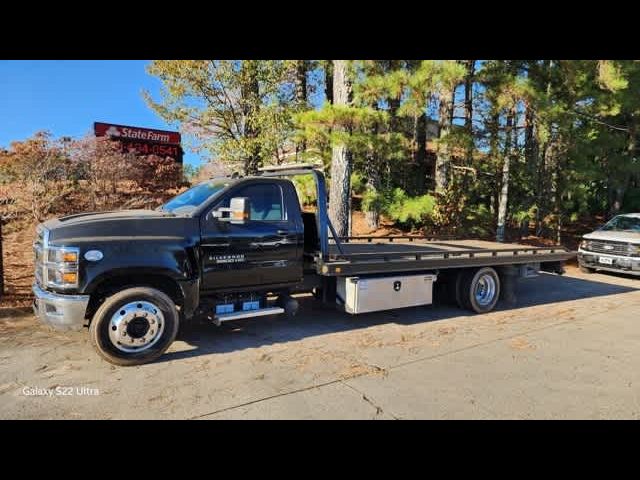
392 238
513 252
382 260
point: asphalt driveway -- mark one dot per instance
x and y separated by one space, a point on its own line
570 348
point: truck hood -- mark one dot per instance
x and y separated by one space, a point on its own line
121 225
613 236
102 216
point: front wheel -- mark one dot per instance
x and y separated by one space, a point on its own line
479 289
134 326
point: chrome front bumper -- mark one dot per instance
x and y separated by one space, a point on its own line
62 312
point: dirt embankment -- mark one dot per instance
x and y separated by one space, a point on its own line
18 268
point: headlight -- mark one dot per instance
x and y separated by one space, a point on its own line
633 249
63 255
61 278
584 244
62 267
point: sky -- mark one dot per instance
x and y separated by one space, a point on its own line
66 97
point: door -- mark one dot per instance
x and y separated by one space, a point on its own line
262 251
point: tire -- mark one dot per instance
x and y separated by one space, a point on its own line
584 269
450 290
458 290
131 315
479 289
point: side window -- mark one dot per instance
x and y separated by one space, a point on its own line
265 201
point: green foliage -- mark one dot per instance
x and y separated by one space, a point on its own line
478 221
239 110
340 125
405 211
373 201
572 146
358 183
306 188
610 76
631 201
410 211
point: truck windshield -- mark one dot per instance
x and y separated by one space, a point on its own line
622 223
194 197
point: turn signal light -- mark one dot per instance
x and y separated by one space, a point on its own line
69 277
70 257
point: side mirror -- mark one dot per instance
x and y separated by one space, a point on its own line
239 210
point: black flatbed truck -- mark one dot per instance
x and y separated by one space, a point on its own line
240 247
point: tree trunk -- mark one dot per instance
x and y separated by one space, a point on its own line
545 162
250 92
623 183
420 157
372 171
468 107
443 158
302 67
340 190
493 155
504 191
328 80
540 188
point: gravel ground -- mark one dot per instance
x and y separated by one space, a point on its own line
569 349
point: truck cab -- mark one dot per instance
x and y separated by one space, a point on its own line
218 249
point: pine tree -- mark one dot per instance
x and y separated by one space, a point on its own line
340 189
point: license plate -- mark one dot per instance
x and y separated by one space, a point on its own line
605 260
250 306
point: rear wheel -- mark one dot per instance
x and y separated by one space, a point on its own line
134 326
479 289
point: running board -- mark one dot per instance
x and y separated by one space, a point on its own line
225 317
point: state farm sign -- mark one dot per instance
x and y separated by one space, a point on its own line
142 141
136 133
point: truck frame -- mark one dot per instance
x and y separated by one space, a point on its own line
154 278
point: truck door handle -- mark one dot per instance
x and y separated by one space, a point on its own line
282 232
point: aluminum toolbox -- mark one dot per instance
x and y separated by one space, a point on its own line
372 294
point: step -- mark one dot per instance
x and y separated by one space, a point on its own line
225 317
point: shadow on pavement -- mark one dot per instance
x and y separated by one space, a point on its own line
313 319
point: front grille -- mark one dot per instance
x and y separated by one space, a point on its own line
613 248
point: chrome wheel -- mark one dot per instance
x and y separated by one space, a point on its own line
136 326
485 290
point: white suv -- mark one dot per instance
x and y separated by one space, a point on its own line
614 247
